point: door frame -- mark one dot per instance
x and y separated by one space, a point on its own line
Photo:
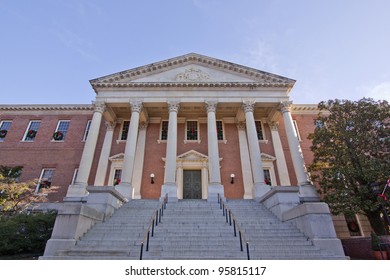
201 185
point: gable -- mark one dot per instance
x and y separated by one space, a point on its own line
192 69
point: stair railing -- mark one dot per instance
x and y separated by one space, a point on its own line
158 213
232 220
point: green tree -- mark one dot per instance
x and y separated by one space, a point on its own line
351 146
16 196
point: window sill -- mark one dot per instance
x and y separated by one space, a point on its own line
263 141
57 141
222 141
120 141
161 141
192 141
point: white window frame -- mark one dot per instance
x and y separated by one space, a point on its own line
185 132
74 177
1 127
41 177
297 130
86 130
121 130
58 125
27 130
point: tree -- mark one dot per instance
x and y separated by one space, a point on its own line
351 146
15 197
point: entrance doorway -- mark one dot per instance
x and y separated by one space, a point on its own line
192 184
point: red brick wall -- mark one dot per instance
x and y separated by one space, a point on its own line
43 153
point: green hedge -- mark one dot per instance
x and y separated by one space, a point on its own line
25 234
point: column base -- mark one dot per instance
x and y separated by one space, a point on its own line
308 193
259 190
213 190
125 189
77 190
171 190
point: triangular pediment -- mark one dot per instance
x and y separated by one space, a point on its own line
117 157
267 157
192 155
191 69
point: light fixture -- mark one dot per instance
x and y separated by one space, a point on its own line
152 178
232 178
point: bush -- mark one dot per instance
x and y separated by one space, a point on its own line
25 234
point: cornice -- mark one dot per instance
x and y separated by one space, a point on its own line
265 79
304 109
47 107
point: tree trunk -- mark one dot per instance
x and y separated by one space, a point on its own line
376 222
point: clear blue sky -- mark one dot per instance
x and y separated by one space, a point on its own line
50 49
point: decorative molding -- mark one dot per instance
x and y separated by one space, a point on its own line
110 125
99 107
248 105
274 125
136 106
211 106
47 107
192 75
173 106
143 125
241 125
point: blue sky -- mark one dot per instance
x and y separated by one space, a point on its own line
50 49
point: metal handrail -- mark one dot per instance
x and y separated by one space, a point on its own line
154 220
232 221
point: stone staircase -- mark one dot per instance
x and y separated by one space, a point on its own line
117 238
271 239
194 229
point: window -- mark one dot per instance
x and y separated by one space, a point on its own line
117 176
192 130
125 130
267 177
61 131
297 130
86 131
45 179
31 131
353 225
76 171
259 129
164 130
4 127
219 130
318 124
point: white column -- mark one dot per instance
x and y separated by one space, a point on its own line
215 187
125 187
79 189
259 186
279 153
105 154
245 161
307 191
139 159
169 187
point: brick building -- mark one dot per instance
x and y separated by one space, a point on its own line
191 127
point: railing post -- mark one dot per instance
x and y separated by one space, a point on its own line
156 217
226 211
142 249
159 219
147 242
230 217
234 226
240 240
153 228
247 250
223 209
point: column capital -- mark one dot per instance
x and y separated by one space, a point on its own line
274 125
241 125
285 106
136 106
143 125
248 105
110 125
99 106
211 106
173 106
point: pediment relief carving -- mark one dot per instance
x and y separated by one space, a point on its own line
117 157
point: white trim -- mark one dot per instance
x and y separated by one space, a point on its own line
28 128
58 125
86 130
121 131
40 177
1 124
297 130
198 130
74 177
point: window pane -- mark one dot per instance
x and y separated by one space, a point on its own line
259 130
125 130
267 177
4 127
117 176
61 131
87 130
46 178
32 130
353 225
192 130
164 130
219 130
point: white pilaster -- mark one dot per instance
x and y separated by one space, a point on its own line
126 187
169 187
104 155
139 159
79 189
215 187
245 161
307 191
280 158
259 186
